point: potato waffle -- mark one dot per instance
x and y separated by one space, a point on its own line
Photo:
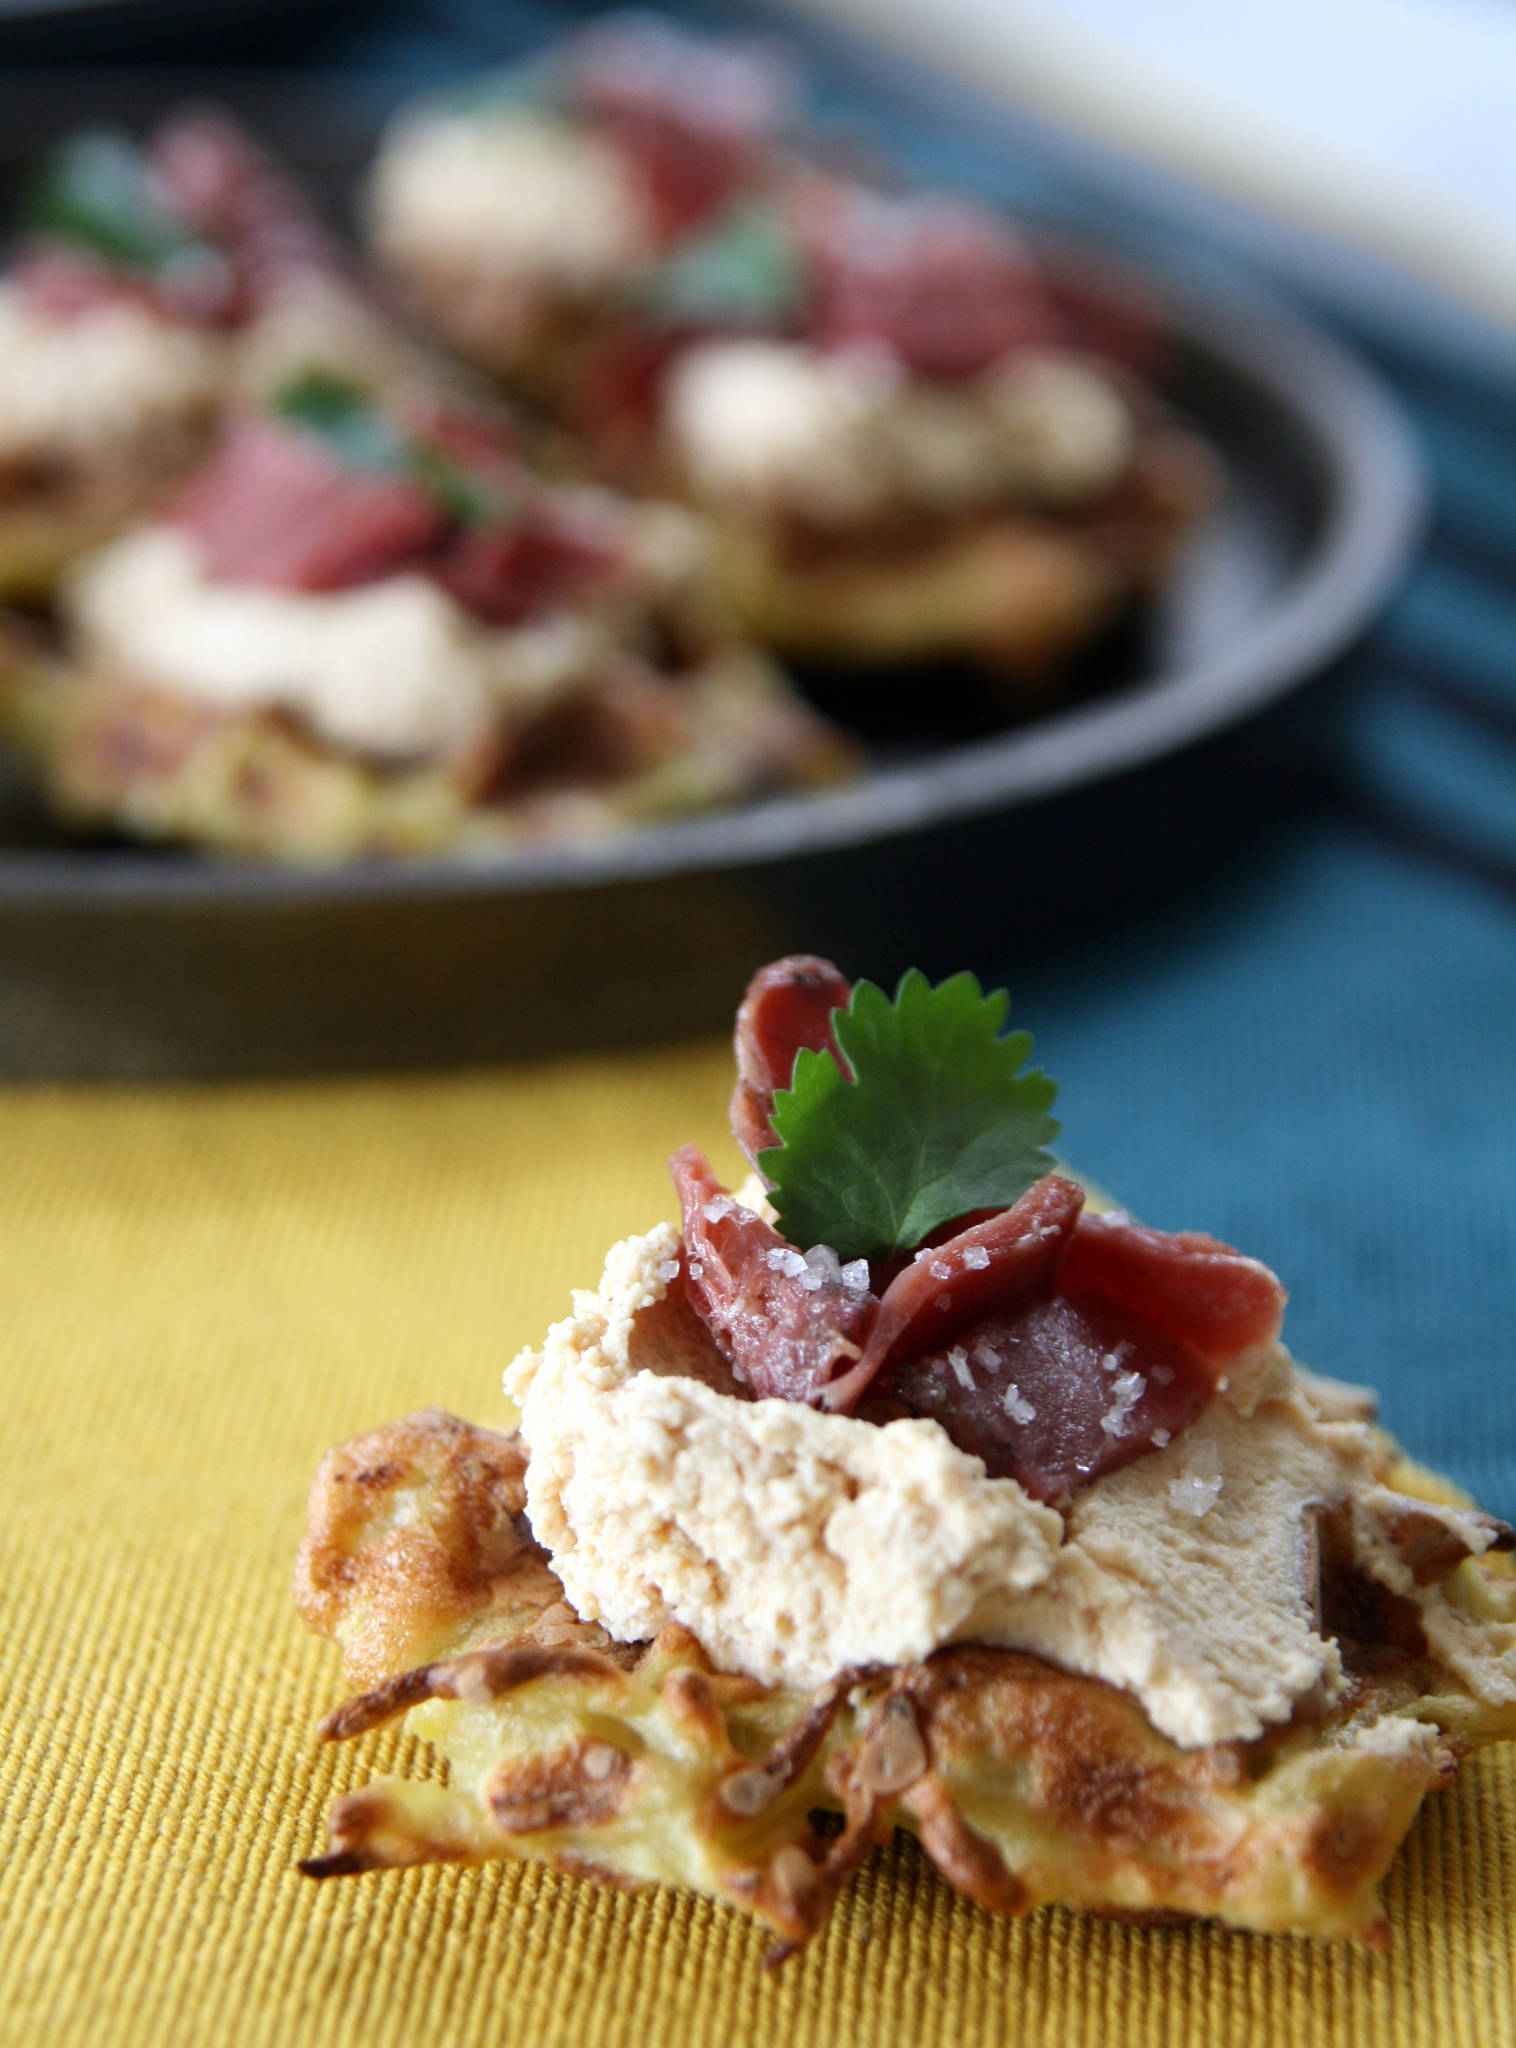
639 1763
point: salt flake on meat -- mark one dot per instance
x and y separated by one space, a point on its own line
957 1358
855 1276
783 1320
1016 1406
781 1258
976 1258
823 1269
1127 1389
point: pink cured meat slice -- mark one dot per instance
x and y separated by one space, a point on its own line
1122 1357
272 507
781 1339
1000 1266
948 288
690 117
1203 1293
219 179
66 283
510 573
1059 1392
788 1005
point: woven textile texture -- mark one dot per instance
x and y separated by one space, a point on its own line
205 1289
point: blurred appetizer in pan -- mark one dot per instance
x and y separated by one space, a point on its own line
908 1482
918 436
524 213
363 626
152 281
925 451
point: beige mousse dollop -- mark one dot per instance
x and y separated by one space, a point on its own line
792 1543
509 193
844 436
101 380
395 669
795 1544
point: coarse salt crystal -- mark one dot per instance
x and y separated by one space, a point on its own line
958 1359
821 1261
723 1205
1163 1438
1197 1489
1127 1391
697 1269
855 1275
985 1355
940 1270
1018 1409
779 1258
1117 1216
1193 1495
669 1270
1164 1375
976 1258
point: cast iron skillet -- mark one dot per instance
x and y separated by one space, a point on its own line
962 845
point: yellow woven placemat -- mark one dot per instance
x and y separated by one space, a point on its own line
204 1289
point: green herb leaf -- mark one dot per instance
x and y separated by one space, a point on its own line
473 500
938 1119
349 420
95 192
745 271
345 416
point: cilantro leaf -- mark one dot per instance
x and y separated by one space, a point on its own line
344 415
465 495
744 271
348 418
95 192
937 1119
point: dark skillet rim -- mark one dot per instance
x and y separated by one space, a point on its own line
1376 510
